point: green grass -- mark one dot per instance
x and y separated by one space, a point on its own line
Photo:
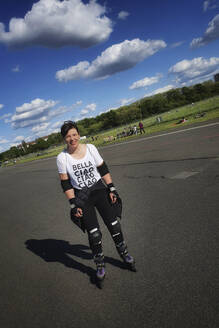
169 120
44 154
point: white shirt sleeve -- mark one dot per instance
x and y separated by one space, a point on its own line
61 163
95 154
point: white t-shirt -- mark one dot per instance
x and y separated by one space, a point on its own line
82 172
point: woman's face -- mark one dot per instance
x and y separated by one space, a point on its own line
72 138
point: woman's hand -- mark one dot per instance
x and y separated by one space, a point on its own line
113 194
76 211
79 213
76 205
113 197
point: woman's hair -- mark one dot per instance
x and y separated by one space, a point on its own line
66 126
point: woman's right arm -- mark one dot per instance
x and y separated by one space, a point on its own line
70 194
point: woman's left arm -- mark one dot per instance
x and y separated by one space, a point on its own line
107 178
109 182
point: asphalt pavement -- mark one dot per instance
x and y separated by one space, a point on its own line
169 183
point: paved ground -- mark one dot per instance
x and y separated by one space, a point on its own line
169 185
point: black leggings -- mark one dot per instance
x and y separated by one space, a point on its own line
99 199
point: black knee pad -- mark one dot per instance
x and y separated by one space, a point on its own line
116 232
95 237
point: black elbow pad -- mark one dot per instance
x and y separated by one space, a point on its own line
103 169
66 185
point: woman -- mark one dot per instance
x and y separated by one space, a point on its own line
82 173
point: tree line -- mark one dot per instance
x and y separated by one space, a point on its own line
138 110
27 148
149 106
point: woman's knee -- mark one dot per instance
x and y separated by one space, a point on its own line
95 236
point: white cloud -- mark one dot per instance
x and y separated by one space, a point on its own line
195 70
1 106
5 116
55 130
59 111
28 109
210 4
84 111
160 90
16 69
88 108
28 123
29 138
177 44
3 141
57 124
37 111
206 5
40 128
211 34
56 23
91 107
124 101
63 109
19 138
145 82
117 58
108 110
7 121
123 15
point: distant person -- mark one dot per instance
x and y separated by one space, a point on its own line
130 131
82 172
135 131
183 120
141 127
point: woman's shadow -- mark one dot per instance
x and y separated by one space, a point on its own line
53 250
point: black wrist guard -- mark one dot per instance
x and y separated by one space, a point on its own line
76 203
74 207
78 221
111 188
118 204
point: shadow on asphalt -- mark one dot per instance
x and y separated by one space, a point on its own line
53 250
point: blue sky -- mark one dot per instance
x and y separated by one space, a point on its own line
73 59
